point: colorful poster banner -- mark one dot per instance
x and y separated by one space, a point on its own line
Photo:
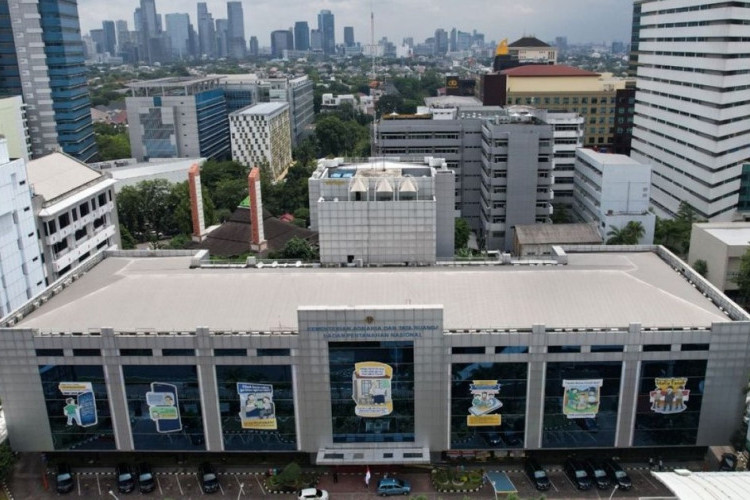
484 401
371 389
670 395
581 398
80 405
257 410
163 407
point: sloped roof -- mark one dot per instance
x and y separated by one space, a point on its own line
558 234
529 41
547 70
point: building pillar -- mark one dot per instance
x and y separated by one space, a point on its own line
118 400
536 379
208 390
258 241
196 203
629 388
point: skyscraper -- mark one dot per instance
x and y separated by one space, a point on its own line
43 55
301 36
281 40
316 40
149 41
222 44
123 36
110 39
253 46
441 42
327 31
235 30
178 31
206 32
349 36
691 122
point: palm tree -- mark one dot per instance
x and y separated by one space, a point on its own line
630 234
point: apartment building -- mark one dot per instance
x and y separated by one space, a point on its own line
612 190
260 134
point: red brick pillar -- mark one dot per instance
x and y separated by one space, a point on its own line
196 203
258 238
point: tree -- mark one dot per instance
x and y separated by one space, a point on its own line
127 240
742 278
7 459
388 104
675 233
297 248
560 215
701 267
462 232
228 193
630 234
335 138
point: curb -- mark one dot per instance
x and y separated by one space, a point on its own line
7 491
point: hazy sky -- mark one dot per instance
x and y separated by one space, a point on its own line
579 20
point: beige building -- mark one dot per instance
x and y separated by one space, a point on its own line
564 88
14 127
530 49
721 245
260 134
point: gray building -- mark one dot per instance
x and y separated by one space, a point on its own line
178 117
493 194
206 31
301 36
235 30
349 36
281 40
362 366
110 39
327 31
178 31
382 211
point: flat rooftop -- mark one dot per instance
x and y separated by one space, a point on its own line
56 174
609 158
265 108
173 81
383 168
594 290
729 233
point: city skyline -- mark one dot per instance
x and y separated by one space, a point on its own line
396 21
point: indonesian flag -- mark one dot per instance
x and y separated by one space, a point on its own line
368 476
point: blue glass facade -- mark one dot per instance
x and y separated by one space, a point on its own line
10 80
158 136
239 427
213 124
77 407
488 405
238 98
372 391
64 50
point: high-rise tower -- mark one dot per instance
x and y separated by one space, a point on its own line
235 30
691 122
326 28
42 60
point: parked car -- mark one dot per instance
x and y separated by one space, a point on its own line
125 478
208 479
577 474
536 474
617 474
312 493
728 462
597 473
391 486
64 479
493 438
146 483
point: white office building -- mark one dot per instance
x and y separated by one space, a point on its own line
21 266
612 190
14 127
382 211
260 134
691 120
75 210
721 246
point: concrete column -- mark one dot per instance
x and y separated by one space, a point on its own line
208 391
118 406
535 387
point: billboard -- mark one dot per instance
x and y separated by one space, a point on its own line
669 395
163 407
80 403
484 403
371 389
257 409
581 398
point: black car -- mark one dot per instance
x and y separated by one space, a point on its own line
617 475
64 479
493 439
146 482
536 474
597 473
577 474
125 478
728 462
208 478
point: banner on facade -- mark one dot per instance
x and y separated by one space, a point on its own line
669 396
163 407
257 409
484 403
80 403
371 389
581 398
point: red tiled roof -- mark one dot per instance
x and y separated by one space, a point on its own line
547 70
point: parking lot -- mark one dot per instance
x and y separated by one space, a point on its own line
169 485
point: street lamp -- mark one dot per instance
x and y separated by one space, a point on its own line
242 491
113 494
613 492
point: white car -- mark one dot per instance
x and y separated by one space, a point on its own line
312 493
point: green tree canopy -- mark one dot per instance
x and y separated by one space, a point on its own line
742 278
675 233
297 248
462 231
630 234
